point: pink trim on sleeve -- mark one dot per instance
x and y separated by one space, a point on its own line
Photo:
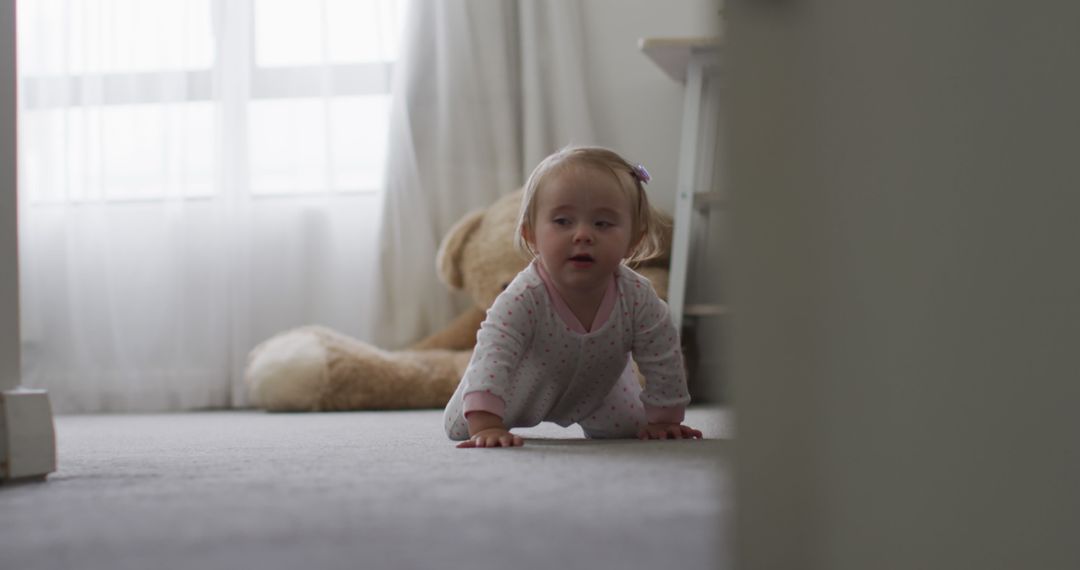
674 415
484 402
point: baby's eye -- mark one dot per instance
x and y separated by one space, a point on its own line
561 221
604 224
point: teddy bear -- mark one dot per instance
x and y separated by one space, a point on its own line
314 368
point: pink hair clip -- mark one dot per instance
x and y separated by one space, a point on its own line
641 174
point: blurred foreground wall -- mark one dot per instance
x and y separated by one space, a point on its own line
906 178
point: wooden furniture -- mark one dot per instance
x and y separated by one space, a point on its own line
696 62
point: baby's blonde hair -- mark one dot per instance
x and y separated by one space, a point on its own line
646 223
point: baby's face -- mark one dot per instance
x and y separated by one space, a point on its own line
583 228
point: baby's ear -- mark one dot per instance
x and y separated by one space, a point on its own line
634 245
527 237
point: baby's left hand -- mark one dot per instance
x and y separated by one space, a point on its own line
668 431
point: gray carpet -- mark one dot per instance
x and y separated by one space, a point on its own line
365 490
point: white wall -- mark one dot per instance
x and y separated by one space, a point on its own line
908 293
638 109
9 264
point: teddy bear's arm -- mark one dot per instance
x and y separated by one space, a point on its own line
460 334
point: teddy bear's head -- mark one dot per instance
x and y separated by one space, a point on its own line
478 256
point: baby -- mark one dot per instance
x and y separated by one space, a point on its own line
557 343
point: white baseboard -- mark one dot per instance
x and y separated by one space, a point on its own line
27 436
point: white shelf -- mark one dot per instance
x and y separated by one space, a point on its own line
705 310
673 54
695 62
709 201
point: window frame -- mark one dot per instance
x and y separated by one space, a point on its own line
315 81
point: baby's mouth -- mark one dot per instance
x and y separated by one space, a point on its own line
582 258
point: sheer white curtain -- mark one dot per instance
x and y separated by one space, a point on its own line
195 176
484 90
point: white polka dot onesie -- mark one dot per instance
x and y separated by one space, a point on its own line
535 362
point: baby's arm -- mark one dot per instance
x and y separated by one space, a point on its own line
501 343
487 430
659 358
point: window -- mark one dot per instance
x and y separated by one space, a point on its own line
150 99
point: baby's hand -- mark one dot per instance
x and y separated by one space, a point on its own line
668 431
493 437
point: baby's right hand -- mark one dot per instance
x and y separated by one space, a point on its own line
493 437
